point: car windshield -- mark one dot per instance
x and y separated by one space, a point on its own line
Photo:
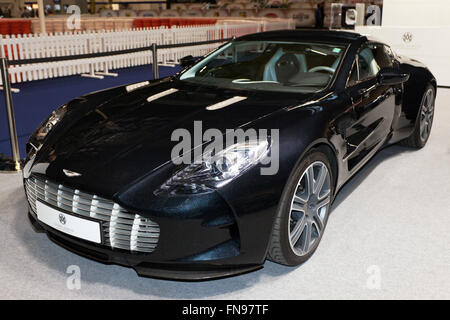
268 65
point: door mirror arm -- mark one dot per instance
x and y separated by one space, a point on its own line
391 76
188 61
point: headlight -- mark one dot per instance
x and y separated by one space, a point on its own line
35 141
214 171
51 121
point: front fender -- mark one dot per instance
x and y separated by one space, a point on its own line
414 88
253 197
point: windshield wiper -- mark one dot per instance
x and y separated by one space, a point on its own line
248 81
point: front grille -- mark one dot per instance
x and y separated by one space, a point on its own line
121 229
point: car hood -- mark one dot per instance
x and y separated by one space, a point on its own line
110 142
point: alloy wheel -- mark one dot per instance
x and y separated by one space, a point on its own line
309 208
426 115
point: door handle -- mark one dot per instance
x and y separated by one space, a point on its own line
358 96
364 93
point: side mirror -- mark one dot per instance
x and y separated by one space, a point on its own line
188 61
391 76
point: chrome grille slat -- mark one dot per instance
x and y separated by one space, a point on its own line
149 233
130 223
82 200
142 240
85 207
139 241
84 196
145 245
143 236
121 229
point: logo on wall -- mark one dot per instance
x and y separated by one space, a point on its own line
407 37
62 218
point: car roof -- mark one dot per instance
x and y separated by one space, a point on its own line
305 34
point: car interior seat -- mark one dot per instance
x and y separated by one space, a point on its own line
287 67
270 73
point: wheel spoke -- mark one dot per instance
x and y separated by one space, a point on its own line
422 126
318 221
323 173
423 114
426 103
299 200
308 231
297 231
310 180
429 100
325 194
323 202
298 207
428 127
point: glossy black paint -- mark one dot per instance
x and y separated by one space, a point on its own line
122 146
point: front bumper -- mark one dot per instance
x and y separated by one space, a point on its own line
172 259
143 267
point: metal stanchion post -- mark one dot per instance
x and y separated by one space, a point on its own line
42 16
10 112
155 61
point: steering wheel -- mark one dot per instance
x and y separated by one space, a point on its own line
322 68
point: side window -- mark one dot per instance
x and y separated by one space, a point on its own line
372 58
368 66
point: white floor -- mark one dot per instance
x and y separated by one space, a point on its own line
388 237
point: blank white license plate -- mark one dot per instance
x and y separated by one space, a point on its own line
74 226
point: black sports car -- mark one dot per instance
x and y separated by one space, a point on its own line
128 175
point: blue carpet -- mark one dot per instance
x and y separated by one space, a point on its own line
37 99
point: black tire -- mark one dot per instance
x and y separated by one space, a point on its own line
415 140
280 250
